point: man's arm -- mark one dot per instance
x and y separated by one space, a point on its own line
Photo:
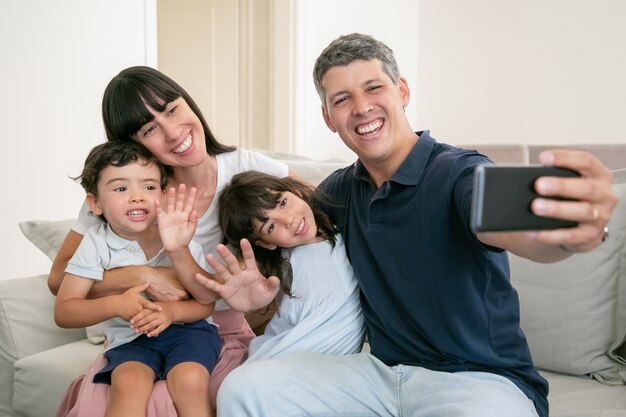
595 201
164 284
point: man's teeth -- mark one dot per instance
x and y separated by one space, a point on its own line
369 128
183 146
136 213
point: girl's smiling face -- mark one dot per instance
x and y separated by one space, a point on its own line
288 225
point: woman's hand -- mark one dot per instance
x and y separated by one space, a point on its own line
164 284
244 288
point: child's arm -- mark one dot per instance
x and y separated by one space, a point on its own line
164 283
72 309
177 225
152 323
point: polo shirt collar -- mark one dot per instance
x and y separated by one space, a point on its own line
113 240
119 243
411 170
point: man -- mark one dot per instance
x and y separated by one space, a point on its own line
442 318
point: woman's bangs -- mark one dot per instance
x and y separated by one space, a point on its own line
136 103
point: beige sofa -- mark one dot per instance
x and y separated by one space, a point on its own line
573 313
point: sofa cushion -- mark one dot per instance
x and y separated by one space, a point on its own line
47 235
570 310
27 323
572 396
26 327
48 374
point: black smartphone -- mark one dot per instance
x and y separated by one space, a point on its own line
503 194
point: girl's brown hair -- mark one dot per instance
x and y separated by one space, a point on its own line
249 196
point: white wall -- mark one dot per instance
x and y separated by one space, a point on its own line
537 71
319 22
57 57
533 71
484 71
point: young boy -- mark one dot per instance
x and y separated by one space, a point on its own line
146 341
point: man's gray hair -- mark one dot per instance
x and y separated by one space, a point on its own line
348 48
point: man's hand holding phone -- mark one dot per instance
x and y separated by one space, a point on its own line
574 201
503 195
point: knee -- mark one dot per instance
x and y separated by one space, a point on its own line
131 378
243 383
190 378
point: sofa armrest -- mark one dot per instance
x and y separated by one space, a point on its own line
26 327
27 319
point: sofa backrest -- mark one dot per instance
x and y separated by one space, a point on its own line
611 155
573 312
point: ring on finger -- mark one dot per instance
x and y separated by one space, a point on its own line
595 213
605 233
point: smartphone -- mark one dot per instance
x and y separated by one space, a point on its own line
502 196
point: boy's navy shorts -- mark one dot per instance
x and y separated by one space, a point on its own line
191 342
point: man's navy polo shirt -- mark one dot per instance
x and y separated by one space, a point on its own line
432 294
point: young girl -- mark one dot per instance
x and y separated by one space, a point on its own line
293 239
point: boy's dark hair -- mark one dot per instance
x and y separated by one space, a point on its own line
248 196
125 99
116 154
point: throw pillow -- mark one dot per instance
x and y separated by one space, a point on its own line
570 310
47 235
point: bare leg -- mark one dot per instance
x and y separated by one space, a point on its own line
188 384
131 385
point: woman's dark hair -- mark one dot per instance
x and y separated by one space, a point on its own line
125 99
117 154
249 196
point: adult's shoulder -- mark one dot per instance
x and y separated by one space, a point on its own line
239 160
338 181
459 156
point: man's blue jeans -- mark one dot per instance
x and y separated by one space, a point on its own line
312 384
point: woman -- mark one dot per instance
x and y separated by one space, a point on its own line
146 106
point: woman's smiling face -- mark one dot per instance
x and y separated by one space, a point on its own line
175 136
